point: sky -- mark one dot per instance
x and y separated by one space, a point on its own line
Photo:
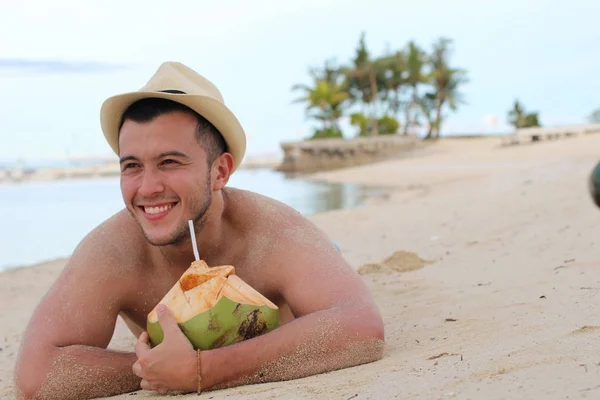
60 60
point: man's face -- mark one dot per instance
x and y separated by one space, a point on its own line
165 179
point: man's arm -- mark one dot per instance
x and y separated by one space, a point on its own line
64 354
322 341
337 325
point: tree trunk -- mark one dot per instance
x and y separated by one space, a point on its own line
438 115
407 119
374 125
324 116
412 104
430 127
397 103
429 132
415 101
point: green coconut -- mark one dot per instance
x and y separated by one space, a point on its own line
215 308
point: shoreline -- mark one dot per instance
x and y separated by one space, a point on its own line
378 191
92 172
96 168
103 168
368 194
37 264
482 264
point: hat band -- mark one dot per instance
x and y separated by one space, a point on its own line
172 91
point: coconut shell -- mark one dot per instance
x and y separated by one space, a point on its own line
215 308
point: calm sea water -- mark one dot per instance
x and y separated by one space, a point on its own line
46 220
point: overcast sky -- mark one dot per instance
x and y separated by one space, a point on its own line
59 60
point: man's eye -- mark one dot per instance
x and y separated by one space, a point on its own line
169 162
130 166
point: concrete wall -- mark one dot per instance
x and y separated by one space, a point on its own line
551 132
325 154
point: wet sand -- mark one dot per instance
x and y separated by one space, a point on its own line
483 260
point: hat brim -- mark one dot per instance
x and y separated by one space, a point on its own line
214 111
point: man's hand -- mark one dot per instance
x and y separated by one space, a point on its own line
170 366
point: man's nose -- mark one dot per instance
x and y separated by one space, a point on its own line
151 184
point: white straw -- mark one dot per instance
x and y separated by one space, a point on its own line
194 245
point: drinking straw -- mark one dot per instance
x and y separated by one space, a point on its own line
194 245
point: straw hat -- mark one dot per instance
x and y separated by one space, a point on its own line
177 82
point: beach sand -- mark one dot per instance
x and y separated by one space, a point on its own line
483 259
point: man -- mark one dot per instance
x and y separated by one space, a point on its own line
178 145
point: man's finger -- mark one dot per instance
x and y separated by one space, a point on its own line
137 369
145 385
167 322
142 346
161 390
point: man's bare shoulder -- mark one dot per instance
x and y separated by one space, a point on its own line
260 213
275 225
296 260
114 243
96 279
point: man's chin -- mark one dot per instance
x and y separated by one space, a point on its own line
159 240
162 237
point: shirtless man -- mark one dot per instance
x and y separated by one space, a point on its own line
174 167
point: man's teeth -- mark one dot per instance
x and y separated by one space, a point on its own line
156 210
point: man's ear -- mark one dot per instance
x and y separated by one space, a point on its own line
221 171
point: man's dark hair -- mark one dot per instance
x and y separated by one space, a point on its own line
207 134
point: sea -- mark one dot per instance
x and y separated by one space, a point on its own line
41 221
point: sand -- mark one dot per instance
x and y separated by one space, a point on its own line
483 259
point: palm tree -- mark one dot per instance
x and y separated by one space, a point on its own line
445 80
393 80
594 117
362 78
415 63
518 118
428 104
326 96
330 72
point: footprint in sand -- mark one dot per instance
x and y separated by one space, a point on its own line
400 261
586 329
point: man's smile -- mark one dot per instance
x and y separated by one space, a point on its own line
154 212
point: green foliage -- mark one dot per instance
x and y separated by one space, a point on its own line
325 97
392 80
531 120
327 133
388 125
427 104
594 117
518 118
361 121
416 61
445 80
377 92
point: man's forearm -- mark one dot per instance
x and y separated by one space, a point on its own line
316 343
76 372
